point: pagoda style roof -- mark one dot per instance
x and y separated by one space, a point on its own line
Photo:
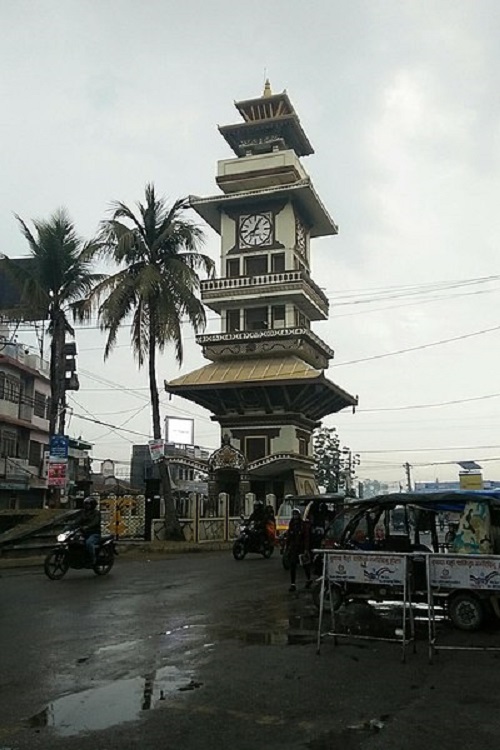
268 119
301 192
265 384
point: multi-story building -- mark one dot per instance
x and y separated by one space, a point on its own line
266 384
187 465
24 425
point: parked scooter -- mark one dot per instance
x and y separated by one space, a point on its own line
70 552
250 539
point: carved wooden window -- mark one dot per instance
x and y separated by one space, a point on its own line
256 319
300 319
278 262
256 265
233 321
278 316
233 268
255 447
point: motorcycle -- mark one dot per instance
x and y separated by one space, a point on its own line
250 539
70 552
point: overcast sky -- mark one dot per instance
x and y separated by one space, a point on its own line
400 101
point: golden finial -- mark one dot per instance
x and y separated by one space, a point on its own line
267 89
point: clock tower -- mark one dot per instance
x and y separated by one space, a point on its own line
265 384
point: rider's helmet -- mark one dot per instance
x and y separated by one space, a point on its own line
90 503
295 513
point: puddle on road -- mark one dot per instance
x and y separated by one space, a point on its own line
106 706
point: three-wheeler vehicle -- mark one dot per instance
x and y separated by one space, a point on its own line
410 523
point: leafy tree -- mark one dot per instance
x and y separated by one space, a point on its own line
158 251
327 457
58 274
334 466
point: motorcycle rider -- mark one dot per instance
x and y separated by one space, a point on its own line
90 524
270 524
259 518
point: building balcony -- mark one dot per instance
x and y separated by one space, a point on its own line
301 342
296 287
28 363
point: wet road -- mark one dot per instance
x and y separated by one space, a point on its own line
198 651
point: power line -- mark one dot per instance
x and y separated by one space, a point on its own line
113 426
417 348
428 406
430 450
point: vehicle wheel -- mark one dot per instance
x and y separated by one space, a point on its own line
105 561
337 597
268 550
56 565
466 611
285 560
239 551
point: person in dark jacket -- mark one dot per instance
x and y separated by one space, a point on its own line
297 544
90 524
258 516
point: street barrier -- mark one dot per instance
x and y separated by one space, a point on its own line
375 569
459 573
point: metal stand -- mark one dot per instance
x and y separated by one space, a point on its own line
369 568
466 573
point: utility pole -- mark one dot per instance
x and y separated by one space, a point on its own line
407 467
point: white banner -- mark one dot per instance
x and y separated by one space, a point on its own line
376 569
465 572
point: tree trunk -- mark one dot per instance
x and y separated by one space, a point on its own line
57 395
173 531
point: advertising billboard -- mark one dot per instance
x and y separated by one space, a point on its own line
179 430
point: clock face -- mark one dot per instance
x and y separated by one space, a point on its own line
256 230
300 237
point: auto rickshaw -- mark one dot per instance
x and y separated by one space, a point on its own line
409 522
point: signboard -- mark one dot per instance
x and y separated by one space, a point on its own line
179 430
156 449
58 447
108 468
481 572
367 567
471 481
57 474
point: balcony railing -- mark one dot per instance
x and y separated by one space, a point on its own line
274 279
205 339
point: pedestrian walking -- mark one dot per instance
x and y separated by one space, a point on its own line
298 548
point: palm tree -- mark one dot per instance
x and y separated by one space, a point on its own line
158 250
58 274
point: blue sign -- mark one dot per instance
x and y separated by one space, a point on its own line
58 446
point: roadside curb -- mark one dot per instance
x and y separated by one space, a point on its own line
131 550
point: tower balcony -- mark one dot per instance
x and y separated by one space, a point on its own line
290 286
301 342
